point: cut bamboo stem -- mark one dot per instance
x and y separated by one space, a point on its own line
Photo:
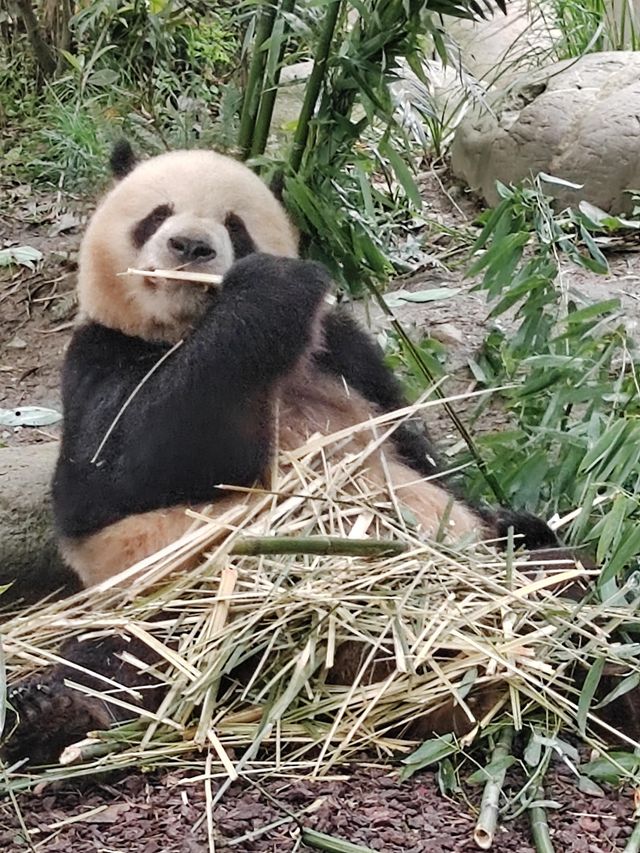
321 545
540 825
177 275
488 820
88 750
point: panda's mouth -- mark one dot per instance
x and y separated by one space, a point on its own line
153 278
179 277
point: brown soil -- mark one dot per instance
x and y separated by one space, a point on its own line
36 306
166 813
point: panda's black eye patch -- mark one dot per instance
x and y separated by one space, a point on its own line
147 227
241 240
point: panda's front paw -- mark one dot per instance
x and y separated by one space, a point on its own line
44 716
274 277
531 531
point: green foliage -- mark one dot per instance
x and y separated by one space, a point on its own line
572 376
70 147
612 767
151 70
430 752
151 37
17 93
349 165
594 25
403 362
334 173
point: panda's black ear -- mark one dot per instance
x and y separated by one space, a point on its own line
277 185
122 160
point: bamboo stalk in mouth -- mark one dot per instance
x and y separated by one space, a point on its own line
177 275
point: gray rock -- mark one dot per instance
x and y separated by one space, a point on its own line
578 120
29 559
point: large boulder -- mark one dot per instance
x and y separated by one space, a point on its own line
30 564
578 120
498 48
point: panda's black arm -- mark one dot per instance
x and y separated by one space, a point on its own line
258 326
351 353
201 419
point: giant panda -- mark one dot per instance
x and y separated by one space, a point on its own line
170 389
206 416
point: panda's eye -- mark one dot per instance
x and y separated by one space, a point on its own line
240 238
147 227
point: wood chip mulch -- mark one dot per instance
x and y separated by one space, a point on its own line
166 813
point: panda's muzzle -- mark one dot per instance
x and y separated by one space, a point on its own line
190 249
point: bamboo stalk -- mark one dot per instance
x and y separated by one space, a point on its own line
633 844
330 843
253 89
270 89
177 275
252 546
488 819
314 85
88 750
422 365
540 825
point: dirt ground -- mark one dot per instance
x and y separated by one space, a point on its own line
166 812
37 306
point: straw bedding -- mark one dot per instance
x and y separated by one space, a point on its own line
286 587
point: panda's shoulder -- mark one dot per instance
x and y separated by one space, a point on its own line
96 350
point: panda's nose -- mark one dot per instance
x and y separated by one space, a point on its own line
191 249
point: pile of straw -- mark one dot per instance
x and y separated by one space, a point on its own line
282 579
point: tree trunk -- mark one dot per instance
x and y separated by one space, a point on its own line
44 55
56 16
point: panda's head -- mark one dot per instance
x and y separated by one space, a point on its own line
187 210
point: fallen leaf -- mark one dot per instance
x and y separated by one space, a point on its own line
67 222
34 416
16 343
109 815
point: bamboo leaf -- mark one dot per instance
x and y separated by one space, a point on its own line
625 685
612 527
331 844
402 173
430 752
560 182
588 786
588 691
621 558
612 767
493 771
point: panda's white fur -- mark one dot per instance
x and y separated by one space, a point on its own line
202 187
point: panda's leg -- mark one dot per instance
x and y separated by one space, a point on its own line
46 714
532 533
